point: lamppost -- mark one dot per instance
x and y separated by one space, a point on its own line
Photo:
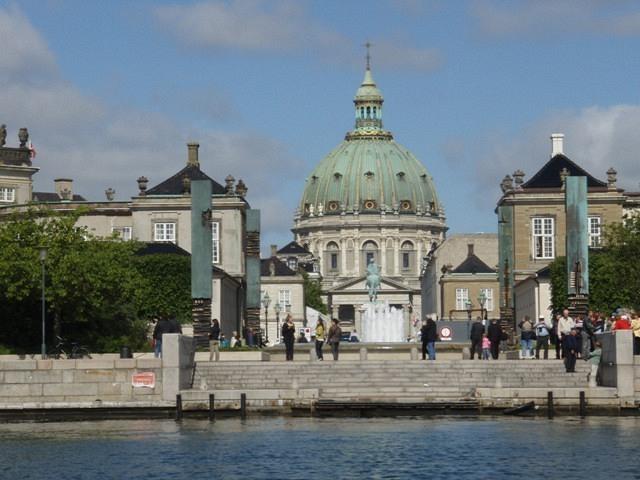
43 258
482 300
266 301
469 306
277 309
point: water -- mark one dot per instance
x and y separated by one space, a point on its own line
381 323
307 448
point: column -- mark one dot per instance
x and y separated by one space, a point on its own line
396 253
343 257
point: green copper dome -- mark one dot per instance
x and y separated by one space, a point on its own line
369 172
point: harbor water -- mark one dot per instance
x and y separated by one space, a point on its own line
336 448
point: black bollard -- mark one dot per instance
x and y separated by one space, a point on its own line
178 407
243 405
583 405
550 405
212 411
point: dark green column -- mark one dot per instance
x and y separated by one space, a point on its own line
577 244
201 259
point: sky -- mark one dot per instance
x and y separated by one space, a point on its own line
113 90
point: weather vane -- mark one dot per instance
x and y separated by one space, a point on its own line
368 46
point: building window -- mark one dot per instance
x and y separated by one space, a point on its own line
7 194
284 298
334 258
462 297
406 254
405 260
164 232
292 263
215 242
488 302
124 233
595 232
543 236
334 261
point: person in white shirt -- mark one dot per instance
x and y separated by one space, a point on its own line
565 324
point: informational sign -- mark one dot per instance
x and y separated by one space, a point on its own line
143 380
445 334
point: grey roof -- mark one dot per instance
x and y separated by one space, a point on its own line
54 197
294 248
174 186
281 269
549 175
163 248
472 264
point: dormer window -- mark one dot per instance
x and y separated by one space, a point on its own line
369 204
337 176
369 175
400 175
333 206
405 205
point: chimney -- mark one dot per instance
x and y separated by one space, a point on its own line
469 249
192 157
274 250
557 144
64 188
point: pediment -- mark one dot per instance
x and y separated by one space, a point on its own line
358 285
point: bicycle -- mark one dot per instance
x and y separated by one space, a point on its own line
68 350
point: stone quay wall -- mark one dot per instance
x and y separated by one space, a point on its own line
77 383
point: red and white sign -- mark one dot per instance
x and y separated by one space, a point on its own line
144 379
445 334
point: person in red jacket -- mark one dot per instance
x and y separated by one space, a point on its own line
621 323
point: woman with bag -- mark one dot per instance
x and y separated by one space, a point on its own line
289 336
319 338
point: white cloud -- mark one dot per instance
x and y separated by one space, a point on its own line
280 27
100 146
544 17
596 138
23 52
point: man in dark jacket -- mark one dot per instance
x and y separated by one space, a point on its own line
429 335
175 325
162 326
570 346
477 330
494 332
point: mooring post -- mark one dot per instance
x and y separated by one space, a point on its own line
583 405
550 404
243 405
212 411
178 407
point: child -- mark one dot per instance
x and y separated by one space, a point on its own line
486 347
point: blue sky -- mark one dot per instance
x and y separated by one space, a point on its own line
113 90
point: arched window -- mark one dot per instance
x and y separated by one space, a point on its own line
368 112
333 257
406 253
362 112
370 252
375 112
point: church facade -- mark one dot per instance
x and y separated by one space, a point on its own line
369 200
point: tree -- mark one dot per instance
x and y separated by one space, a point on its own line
312 294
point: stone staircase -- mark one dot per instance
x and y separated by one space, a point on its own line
386 381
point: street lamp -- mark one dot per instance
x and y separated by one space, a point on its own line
266 301
43 258
277 309
469 306
482 300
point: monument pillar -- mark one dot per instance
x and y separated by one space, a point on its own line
577 245
252 315
201 260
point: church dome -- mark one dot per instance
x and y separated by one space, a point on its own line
369 171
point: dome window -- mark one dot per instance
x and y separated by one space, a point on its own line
423 177
405 205
333 206
337 176
369 175
400 175
369 204
314 178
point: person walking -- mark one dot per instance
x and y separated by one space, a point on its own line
570 345
431 334
162 326
565 324
423 339
494 332
477 332
486 347
335 332
542 337
635 327
289 336
526 338
320 336
214 341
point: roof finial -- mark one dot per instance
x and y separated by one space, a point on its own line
368 46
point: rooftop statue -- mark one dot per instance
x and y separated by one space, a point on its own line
373 280
3 135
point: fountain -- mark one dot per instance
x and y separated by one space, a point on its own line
380 323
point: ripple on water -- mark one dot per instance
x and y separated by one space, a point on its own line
306 448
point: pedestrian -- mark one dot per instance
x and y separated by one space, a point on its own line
494 332
320 336
431 336
302 338
353 338
162 326
214 341
586 336
635 326
175 325
622 323
334 338
251 339
224 343
477 332
565 324
594 358
288 333
526 338
570 345
486 347
542 337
